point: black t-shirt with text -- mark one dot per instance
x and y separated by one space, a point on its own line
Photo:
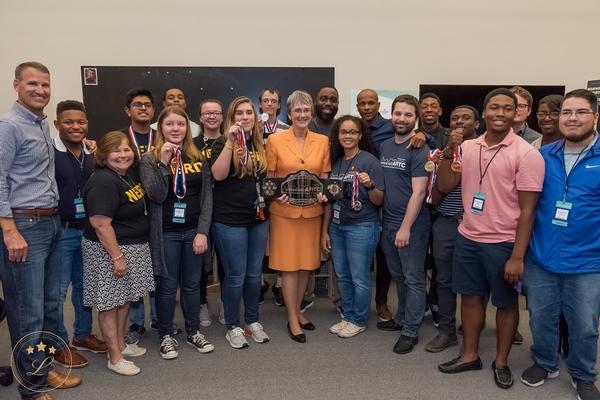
204 145
234 199
121 198
193 179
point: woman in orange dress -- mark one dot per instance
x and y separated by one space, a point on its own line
296 231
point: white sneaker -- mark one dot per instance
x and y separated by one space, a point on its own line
236 338
221 313
200 342
124 367
337 328
133 350
168 348
258 333
205 320
350 330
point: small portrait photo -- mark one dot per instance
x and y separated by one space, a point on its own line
90 76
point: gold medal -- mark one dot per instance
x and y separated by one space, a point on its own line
429 166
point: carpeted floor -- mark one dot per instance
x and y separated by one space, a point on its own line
326 367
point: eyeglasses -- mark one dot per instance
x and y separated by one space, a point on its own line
351 132
139 106
306 110
209 114
578 113
543 115
522 106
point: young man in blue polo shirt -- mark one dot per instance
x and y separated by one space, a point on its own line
562 272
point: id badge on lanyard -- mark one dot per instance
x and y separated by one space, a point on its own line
337 207
179 212
79 208
561 213
478 203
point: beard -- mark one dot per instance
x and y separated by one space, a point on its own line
326 117
580 138
402 131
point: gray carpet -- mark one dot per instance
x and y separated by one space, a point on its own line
326 367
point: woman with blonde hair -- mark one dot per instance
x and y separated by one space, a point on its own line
240 224
178 183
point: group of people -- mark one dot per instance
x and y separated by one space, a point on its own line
510 211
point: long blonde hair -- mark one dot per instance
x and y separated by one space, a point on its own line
189 149
254 166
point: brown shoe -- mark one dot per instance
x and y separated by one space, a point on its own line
45 396
90 343
70 359
61 381
384 313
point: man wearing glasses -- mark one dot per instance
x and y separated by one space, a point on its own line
139 107
524 106
562 273
175 97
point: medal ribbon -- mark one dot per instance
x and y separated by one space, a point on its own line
354 189
241 139
458 153
433 176
271 129
135 143
179 179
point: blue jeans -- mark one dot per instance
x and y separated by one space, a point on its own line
406 267
352 250
241 249
31 291
184 268
577 296
71 271
137 312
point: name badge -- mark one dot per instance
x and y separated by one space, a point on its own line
337 207
478 203
179 213
79 208
561 213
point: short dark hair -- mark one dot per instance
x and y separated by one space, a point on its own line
500 92
135 92
471 108
553 101
30 64
272 90
430 95
325 87
410 100
365 143
585 94
67 105
203 102
164 96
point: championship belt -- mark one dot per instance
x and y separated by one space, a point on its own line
302 188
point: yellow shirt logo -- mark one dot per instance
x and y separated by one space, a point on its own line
136 193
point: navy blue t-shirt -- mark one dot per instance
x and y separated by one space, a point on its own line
344 170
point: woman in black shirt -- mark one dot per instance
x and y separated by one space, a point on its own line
116 256
239 218
177 179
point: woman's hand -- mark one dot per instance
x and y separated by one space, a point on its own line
284 198
120 267
200 244
233 132
321 198
166 152
365 180
325 242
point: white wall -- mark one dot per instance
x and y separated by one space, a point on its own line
371 43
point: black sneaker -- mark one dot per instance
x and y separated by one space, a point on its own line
263 290
586 390
435 317
305 305
390 325
278 296
176 329
405 344
535 376
502 376
135 334
168 348
200 342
